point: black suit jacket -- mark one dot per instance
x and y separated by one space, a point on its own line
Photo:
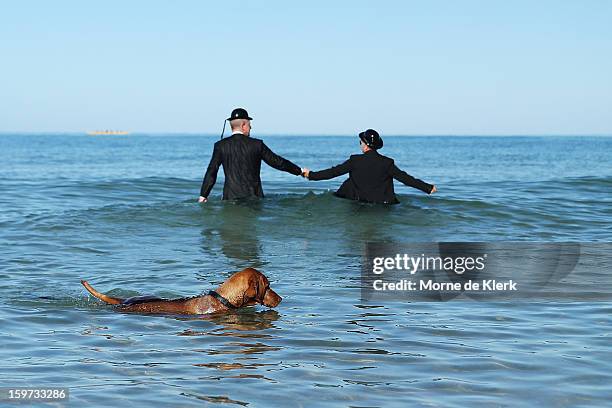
241 158
370 178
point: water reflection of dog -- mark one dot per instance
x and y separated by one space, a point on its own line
239 333
244 288
233 324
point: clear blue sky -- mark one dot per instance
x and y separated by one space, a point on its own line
310 67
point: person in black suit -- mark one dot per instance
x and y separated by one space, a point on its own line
370 174
241 158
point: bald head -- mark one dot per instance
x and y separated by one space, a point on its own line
241 125
236 124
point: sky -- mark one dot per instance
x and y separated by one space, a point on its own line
311 67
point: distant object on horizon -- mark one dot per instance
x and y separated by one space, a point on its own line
107 132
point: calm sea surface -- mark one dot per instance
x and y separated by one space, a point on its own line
121 212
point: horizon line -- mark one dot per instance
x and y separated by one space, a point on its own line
207 134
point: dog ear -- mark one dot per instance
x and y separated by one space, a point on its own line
252 288
261 286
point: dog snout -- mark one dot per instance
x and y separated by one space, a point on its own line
271 299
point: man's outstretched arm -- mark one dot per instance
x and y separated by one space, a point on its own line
279 163
331 172
210 178
410 181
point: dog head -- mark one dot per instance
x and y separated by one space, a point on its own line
249 287
265 295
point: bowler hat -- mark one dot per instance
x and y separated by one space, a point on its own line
239 113
372 139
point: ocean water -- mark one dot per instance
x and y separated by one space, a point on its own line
121 212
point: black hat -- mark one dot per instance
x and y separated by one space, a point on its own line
239 113
372 139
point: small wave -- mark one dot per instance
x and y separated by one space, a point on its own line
47 301
603 181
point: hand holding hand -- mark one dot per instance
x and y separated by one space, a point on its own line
202 200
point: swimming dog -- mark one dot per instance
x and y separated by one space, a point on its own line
245 288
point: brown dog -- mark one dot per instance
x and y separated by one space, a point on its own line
243 288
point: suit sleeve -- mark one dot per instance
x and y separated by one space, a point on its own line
211 173
331 172
278 162
410 181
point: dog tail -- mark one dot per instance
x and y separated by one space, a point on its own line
102 297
